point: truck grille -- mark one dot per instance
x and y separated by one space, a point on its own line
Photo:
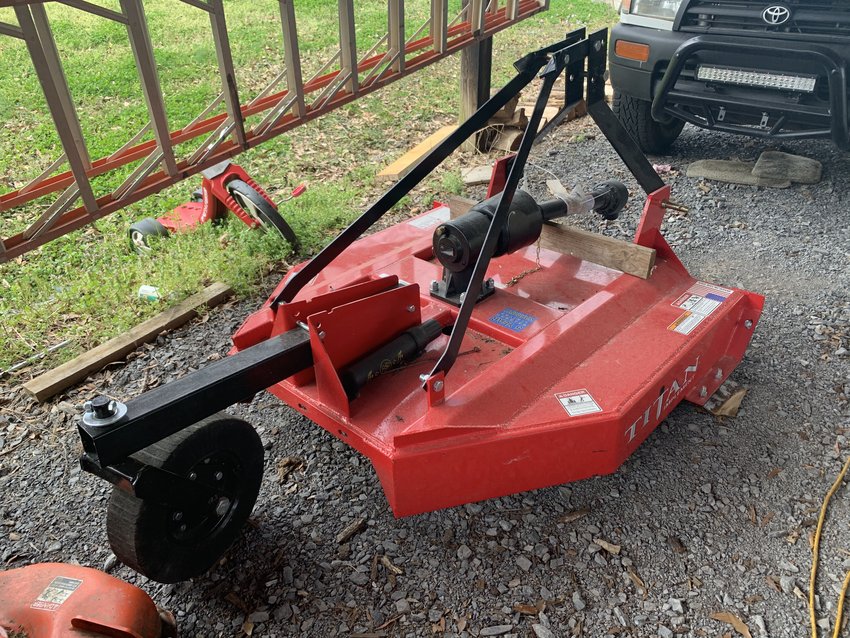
810 19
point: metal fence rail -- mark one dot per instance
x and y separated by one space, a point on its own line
225 134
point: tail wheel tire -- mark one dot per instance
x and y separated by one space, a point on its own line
636 116
260 209
167 544
141 231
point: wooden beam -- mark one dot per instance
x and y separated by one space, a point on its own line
224 56
599 249
348 45
404 164
54 381
593 247
292 56
439 24
140 43
476 62
396 34
48 67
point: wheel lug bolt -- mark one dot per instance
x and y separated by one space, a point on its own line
178 516
192 476
219 476
183 527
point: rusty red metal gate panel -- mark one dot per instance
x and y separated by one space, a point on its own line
342 79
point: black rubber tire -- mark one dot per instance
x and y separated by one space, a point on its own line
141 230
258 207
167 545
636 116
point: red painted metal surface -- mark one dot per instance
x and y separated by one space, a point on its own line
52 600
561 376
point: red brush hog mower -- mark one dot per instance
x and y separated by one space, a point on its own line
225 187
464 361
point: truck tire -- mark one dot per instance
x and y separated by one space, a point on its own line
636 116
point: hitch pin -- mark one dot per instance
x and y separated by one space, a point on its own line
681 208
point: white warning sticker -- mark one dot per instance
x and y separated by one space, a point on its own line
57 592
435 217
687 322
578 402
698 302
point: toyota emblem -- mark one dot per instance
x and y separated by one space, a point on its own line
776 15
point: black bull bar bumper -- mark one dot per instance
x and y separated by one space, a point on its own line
830 121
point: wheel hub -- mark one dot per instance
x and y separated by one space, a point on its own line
248 206
220 472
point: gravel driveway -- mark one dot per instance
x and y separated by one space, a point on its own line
711 516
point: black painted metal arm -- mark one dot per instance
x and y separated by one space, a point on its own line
172 407
594 50
527 68
554 67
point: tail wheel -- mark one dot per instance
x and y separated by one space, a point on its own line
142 230
167 544
260 209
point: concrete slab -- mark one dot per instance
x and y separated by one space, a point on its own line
476 175
733 172
782 166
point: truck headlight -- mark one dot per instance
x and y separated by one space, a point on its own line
664 9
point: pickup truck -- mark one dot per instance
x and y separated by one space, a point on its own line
774 70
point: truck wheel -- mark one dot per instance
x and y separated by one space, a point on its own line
169 545
636 116
259 209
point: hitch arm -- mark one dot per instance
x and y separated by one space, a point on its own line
174 406
527 68
554 67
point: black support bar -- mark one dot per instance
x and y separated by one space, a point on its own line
174 406
614 131
554 67
527 68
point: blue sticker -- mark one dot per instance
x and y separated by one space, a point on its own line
715 297
512 319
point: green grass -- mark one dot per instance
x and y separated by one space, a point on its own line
83 286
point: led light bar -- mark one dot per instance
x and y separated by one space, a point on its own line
762 79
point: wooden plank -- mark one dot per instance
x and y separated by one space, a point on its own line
593 247
396 34
348 45
404 164
439 24
54 381
599 249
292 56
